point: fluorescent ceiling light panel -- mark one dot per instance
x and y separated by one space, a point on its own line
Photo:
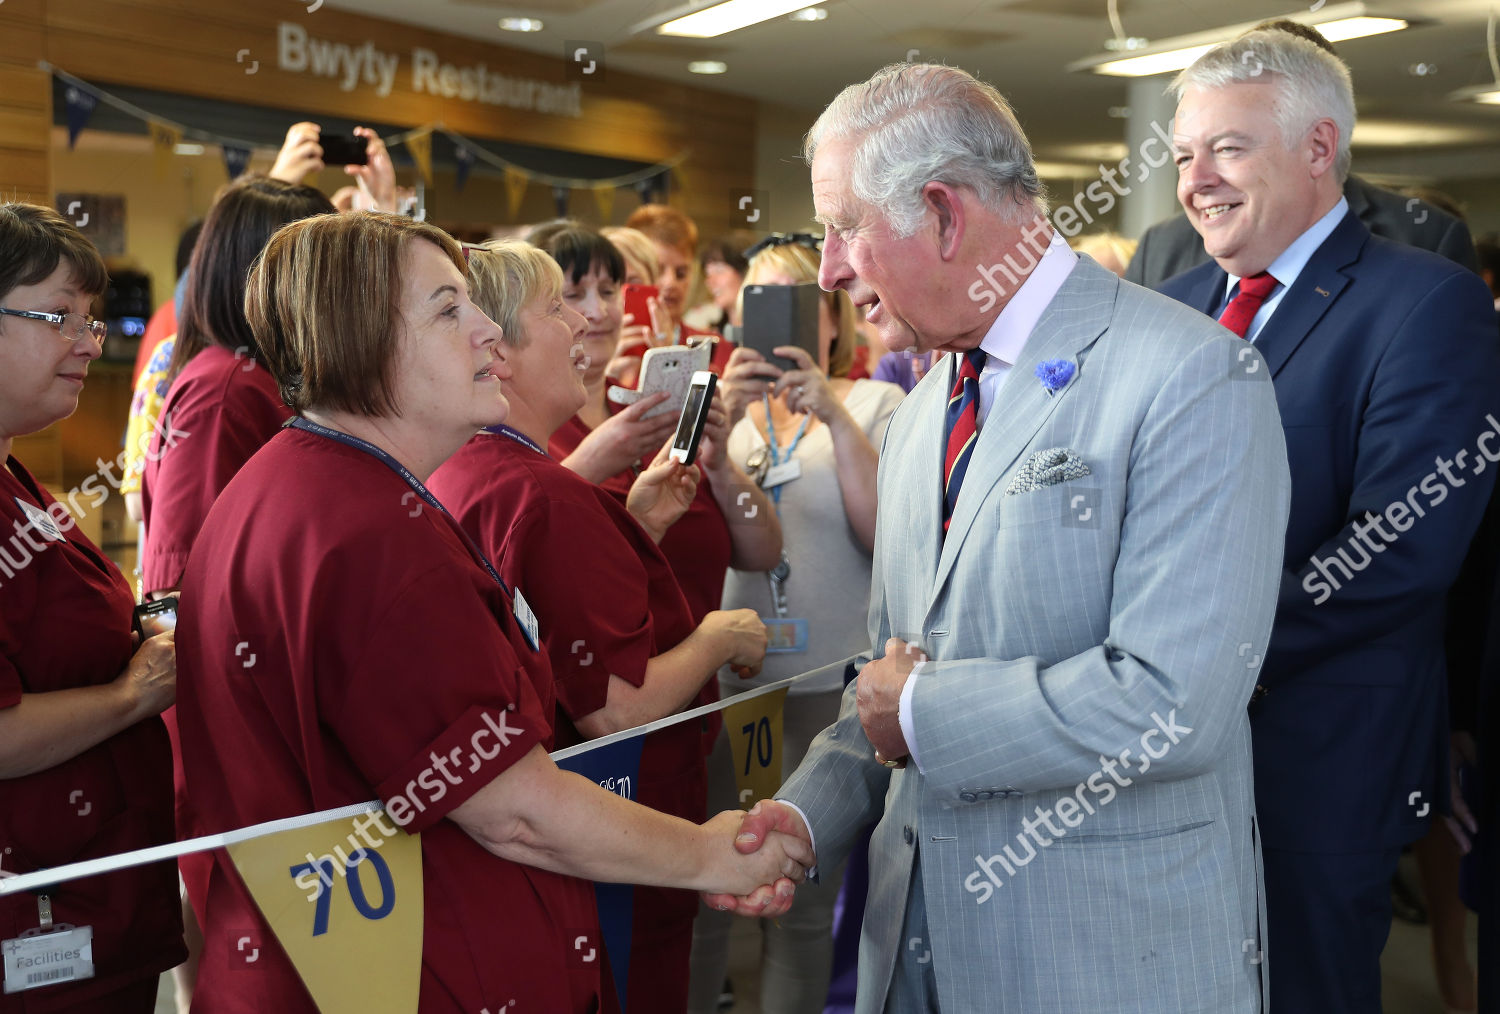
723 18
1338 23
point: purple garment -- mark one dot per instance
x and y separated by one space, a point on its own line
895 368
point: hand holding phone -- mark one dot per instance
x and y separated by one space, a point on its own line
152 618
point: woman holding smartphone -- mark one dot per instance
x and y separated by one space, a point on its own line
623 645
85 769
388 641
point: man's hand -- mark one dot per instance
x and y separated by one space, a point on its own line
765 818
879 694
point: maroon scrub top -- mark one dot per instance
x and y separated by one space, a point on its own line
65 623
219 411
606 601
698 546
338 637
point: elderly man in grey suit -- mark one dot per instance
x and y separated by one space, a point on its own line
1076 565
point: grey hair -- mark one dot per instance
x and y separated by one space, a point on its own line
1311 83
916 123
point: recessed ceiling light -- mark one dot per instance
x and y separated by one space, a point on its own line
699 22
521 24
189 148
708 66
809 14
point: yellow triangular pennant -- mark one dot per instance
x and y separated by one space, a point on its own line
344 899
604 193
516 183
164 141
420 146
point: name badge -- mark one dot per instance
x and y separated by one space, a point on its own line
65 954
784 636
527 619
41 521
782 474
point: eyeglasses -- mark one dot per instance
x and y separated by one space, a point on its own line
807 239
72 326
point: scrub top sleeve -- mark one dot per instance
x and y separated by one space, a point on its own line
10 685
437 705
589 590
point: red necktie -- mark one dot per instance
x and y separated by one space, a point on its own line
1242 308
963 428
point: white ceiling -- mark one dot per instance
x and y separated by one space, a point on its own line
1021 46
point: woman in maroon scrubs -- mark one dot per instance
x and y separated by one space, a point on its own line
624 647
85 770
222 405
731 522
341 635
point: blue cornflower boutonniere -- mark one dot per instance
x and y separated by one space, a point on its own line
1055 374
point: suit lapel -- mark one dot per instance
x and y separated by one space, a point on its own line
1315 290
1076 317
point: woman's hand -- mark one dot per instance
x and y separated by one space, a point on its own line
376 179
807 388
662 494
742 636
300 153
149 681
622 440
747 377
760 878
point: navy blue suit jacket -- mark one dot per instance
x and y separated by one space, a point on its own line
1385 366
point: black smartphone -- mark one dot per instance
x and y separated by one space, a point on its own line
781 315
695 406
340 150
152 618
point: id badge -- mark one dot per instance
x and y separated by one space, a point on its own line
527 620
782 474
784 636
37 959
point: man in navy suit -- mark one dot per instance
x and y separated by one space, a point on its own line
1386 374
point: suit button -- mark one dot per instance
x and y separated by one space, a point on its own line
967 797
907 834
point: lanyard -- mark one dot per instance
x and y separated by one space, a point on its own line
774 449
502 430
297 422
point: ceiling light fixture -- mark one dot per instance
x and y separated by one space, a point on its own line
809 14
1487 94
707 20
708 66
1337 23
522 24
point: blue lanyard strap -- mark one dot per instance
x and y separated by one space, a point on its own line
774 448
297 422
502 430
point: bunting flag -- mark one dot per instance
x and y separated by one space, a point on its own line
616 767
754 731
463 160
344 899
516 183
164 141
80 107
420 146
604 193
560 200
236 159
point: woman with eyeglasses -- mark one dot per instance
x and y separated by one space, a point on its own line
390 657
85 769
810 437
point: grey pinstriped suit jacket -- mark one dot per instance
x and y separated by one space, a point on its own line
1063 623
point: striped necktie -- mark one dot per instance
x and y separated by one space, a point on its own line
962 428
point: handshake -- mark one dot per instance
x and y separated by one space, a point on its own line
770 855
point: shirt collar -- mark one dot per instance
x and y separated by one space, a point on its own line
1294 258
1018 318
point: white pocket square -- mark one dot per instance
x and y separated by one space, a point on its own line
1047 468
